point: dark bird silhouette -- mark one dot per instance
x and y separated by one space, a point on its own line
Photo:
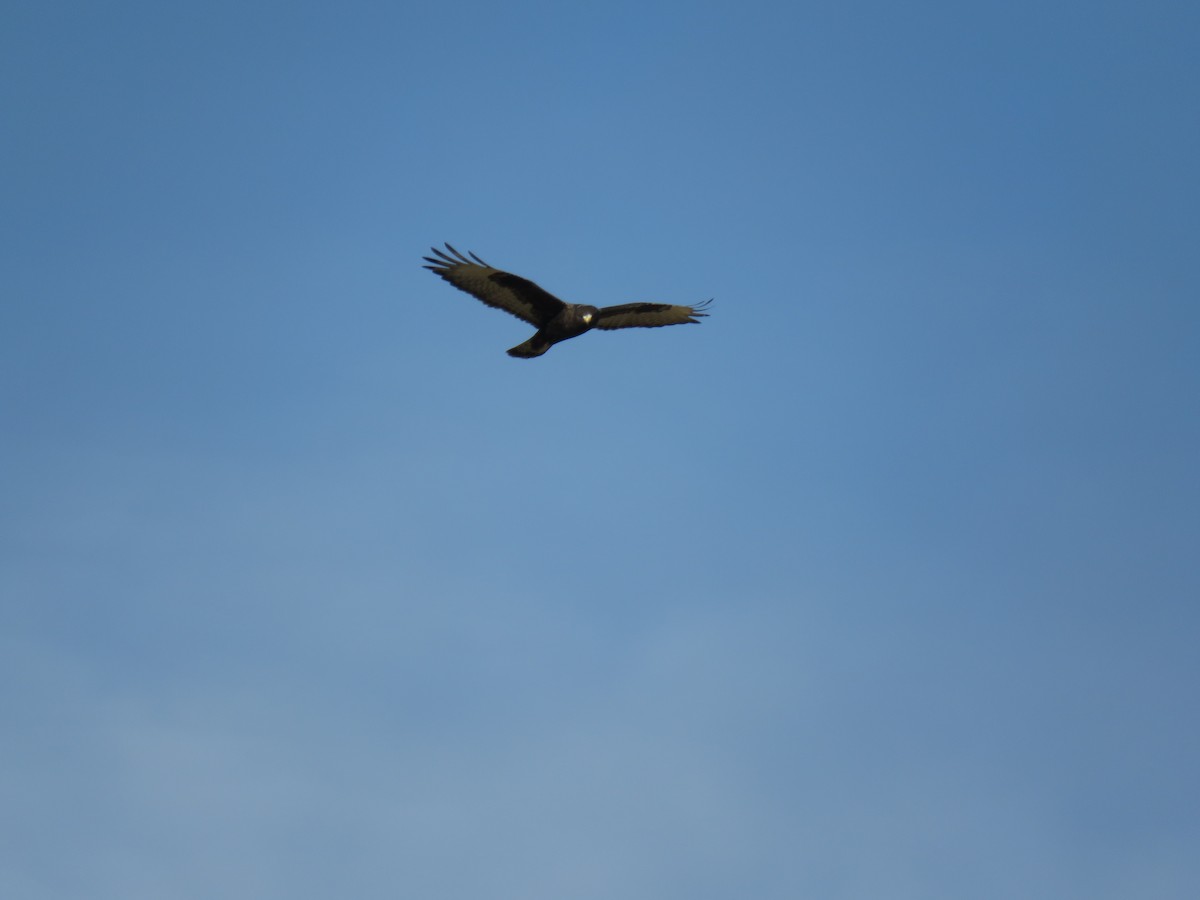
554 320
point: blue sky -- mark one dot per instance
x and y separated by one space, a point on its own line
880 583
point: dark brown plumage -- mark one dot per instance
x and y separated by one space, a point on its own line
554 319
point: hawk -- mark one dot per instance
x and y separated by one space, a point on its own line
554 319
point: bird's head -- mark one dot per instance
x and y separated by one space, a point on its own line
587 315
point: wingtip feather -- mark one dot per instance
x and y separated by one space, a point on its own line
453 257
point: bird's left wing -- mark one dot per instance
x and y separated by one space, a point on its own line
649 315
498 289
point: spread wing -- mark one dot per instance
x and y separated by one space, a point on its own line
502 290
649 315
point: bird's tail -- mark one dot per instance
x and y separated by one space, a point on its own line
535 346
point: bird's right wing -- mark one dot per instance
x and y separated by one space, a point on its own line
498 289
649 315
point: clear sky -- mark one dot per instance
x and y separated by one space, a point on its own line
882 582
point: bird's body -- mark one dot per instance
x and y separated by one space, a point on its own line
573 320
554 319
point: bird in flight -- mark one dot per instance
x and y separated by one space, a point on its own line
554 319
